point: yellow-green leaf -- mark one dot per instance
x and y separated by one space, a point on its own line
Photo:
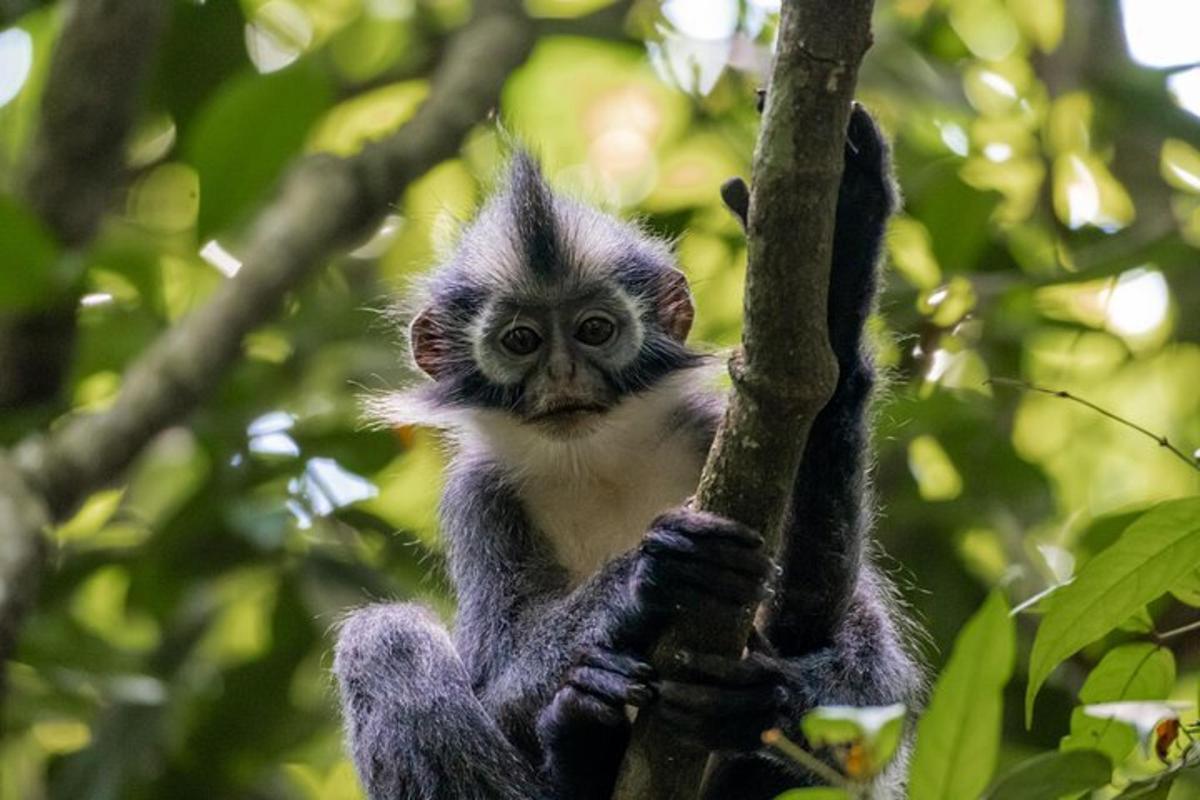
1181 165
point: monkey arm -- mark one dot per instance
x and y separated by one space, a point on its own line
520 624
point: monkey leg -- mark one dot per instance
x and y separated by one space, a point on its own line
416 730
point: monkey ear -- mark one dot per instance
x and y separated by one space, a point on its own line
430 344
675 309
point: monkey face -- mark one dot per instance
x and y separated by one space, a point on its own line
550 312
562 349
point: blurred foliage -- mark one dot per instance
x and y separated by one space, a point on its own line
181 645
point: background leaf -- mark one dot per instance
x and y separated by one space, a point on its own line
28 277
246 134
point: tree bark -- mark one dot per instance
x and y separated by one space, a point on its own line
785 371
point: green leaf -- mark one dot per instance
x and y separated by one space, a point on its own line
1138 671
1154 554
959 735
30 254
819 793
1053 775
1157 788
246 135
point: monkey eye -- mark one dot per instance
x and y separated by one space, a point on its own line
595 331
521 340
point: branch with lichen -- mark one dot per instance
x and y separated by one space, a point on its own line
324 204
785 371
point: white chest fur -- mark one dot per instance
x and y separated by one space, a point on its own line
595 515
593 497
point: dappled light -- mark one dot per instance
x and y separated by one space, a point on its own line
1037 338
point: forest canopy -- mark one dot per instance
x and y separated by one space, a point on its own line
216 202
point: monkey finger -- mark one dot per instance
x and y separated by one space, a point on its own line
609 686
702 524
666 543
620 663
671 576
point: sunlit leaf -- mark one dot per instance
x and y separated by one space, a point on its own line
408 491
242 629
959 734
373 115
99 605
246 134
1180 164
911 251
166 199
1087 193
986 27
1156 551
1050 776
97 510
933 470
1042 21
1069 123
997 88
60 736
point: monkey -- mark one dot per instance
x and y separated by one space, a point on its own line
554 341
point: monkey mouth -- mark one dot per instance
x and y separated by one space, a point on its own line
567 414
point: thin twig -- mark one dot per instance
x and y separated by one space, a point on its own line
1171 634
1160 440
775 738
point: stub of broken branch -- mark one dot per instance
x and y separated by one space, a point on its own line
786 371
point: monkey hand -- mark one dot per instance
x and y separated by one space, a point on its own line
691 558
865 200
723 703
584 730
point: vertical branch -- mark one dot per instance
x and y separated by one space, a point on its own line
785 372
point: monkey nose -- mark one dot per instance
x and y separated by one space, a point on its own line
561 369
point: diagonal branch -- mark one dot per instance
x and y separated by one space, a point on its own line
324 203
786 371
